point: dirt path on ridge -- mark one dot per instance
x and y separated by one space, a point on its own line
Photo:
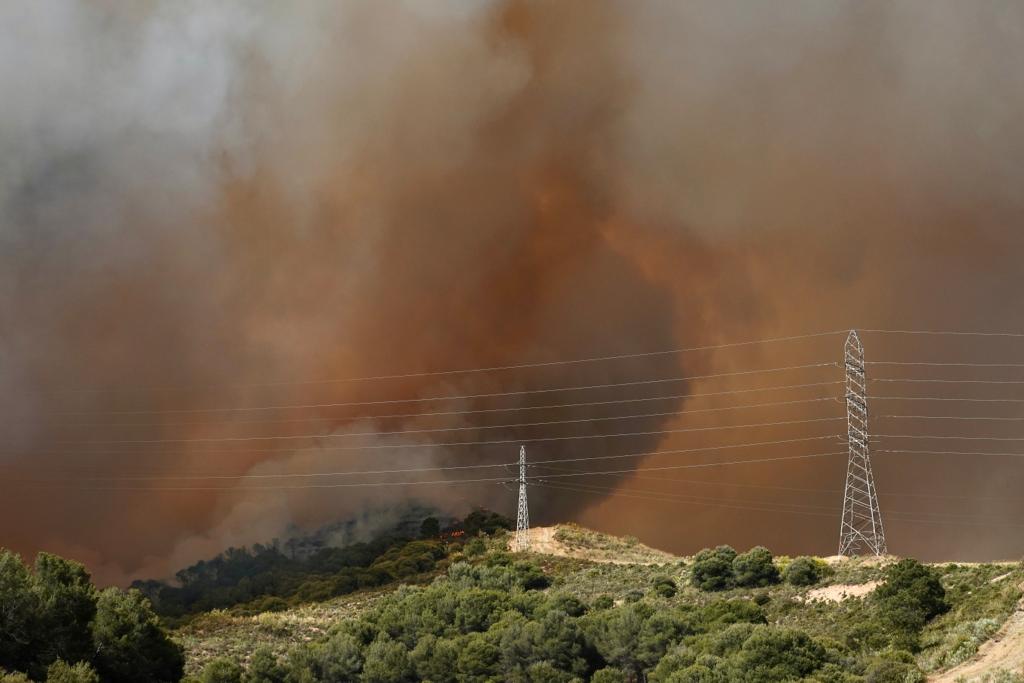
1004 650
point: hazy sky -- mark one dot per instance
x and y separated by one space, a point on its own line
208 210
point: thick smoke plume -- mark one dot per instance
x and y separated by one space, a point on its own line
211 205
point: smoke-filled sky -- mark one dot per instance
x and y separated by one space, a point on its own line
211 213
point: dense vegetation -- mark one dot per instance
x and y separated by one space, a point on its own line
56 626
267 578
470 611
493 617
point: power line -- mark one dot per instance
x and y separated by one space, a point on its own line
688 450
928 513
944 333
917 380
795 489
495 368
763 506
507 464
437 481
523 392
700 465
502 410
954 398
927 452
308 475
482 442
951 417
227 439
668 499
287 487
945 365
707 449
959 438
670 494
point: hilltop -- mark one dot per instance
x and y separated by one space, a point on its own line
834 611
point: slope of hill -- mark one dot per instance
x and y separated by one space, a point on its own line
570 540
593 577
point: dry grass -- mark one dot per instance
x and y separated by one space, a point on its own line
221 634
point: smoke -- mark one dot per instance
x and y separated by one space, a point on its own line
202 203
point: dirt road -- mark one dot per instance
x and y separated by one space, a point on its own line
1004 650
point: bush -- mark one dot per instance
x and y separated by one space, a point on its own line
264 667
20 607
486 522
67 604
62 672
755 569
603 602
665 586
712 569
475 548
478 659
387 661
771 655
221 670
609 675
54 615
340 659
569 604
803 571
129 642
910 596
888 671
909 580
430 528
13 677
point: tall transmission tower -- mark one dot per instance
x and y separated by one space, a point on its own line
522 540
861 531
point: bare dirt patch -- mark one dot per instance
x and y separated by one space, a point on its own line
584 544
840 592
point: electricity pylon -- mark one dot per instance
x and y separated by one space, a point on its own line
522 540
861 530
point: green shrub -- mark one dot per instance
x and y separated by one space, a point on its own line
888 671
771 654
569 604
908 581
712 569
755 569
221 670
387 661
435 659
264 667
909 597
665 586
475 548
609 675
803 571
430 528
62 672
129 641
478 658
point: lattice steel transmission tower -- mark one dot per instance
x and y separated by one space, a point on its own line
522 540
861 530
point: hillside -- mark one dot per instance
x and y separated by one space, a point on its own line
600 580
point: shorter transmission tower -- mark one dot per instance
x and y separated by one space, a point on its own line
861 529
522 540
